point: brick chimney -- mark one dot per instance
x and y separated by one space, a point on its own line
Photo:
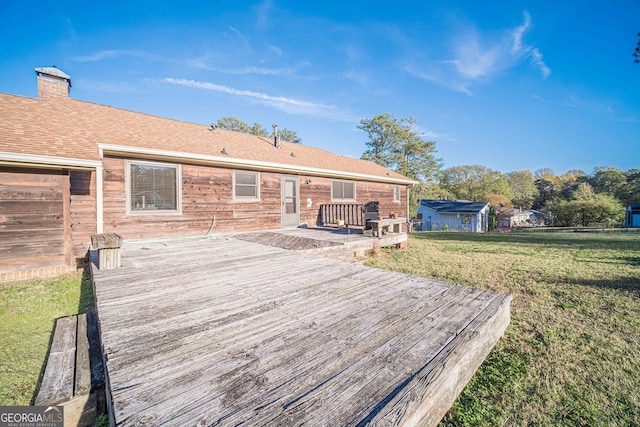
52 82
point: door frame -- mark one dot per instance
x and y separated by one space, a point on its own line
287 219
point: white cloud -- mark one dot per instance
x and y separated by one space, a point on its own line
518 33
242 37
114 53
520 49
476 57
263 11
437 76
286 71
472 60
275 50
536 59
288 105
201 63
578 103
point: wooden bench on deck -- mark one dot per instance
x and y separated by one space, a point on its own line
342 214
74 376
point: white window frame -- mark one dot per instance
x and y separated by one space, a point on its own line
249 199
128 183
333 198
397 193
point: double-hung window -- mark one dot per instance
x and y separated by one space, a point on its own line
343 190
396 193
153 187
246 186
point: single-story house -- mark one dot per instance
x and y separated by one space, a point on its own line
516 217
455 215
632 216
70 169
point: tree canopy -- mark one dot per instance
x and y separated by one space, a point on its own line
233 124
474 182
523 188
289 135
395 144
587 209
237 125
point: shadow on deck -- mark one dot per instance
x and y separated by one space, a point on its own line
341 243
219 330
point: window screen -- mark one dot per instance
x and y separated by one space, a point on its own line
246 185
153 187
396 193
343 190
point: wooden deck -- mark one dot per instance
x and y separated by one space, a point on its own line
221 331
341 243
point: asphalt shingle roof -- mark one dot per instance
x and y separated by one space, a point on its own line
65 127
454 206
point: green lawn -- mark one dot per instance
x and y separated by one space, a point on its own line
27 317
571 355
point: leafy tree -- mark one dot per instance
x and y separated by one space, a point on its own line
395 144
498 201
474 182
523 189
608 180
258 130
233 124
584 192
636 53
568 184
549 187
630 192
598 210
289 136
544 173
237 125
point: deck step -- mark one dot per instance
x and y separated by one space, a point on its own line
74 375
58 381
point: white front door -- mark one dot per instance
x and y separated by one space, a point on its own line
290 201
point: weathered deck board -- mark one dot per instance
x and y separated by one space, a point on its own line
219 331
57 387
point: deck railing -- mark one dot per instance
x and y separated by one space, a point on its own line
352 214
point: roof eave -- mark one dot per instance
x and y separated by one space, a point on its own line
232 162
46 162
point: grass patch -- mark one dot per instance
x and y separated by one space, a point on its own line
27 317
571 353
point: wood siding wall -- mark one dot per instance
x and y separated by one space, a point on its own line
82 210
208 204
32 220
48 216
46 220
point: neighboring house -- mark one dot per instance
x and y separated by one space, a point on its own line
516 217
632 216
69 169
456 215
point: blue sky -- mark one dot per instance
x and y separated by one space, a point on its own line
509 85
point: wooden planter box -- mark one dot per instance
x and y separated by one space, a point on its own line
108 246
